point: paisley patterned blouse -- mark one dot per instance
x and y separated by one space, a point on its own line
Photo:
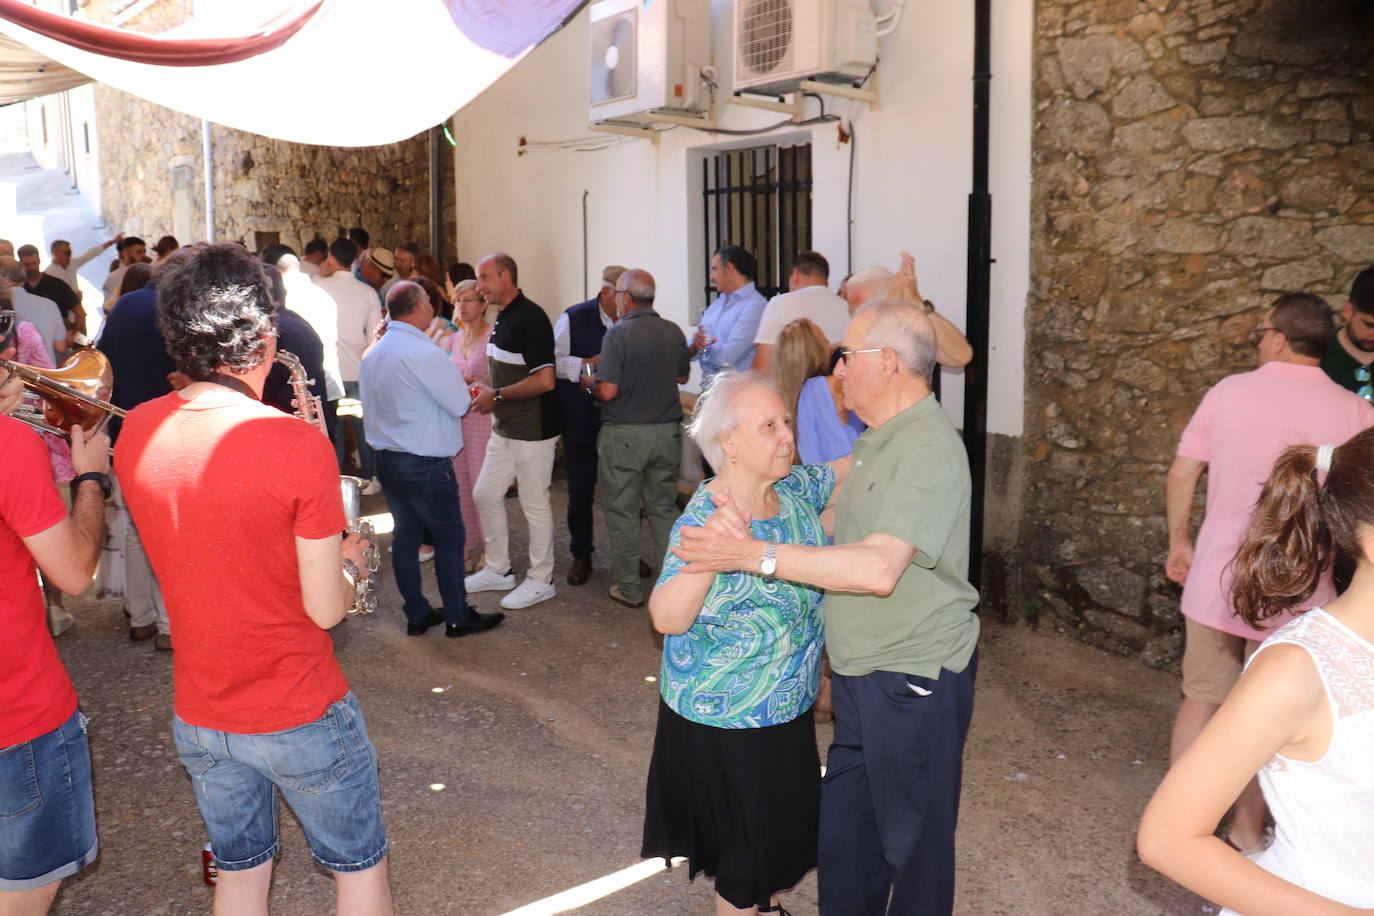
752 657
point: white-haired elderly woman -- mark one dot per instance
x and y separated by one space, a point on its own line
734 784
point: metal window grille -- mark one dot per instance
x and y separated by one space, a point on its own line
760 199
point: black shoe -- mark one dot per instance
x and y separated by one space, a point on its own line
420 629
580 571
474 623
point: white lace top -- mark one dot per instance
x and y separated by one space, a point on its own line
1324 810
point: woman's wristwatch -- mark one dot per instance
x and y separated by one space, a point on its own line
768 566
496 397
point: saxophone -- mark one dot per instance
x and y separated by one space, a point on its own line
309 409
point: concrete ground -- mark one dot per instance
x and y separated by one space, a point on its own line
513 766
513 762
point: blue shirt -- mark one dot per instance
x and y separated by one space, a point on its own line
413 395
138 355
733 320
820 437
752 657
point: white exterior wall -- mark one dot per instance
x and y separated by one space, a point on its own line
912 174
70 143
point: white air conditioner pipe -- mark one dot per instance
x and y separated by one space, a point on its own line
887 22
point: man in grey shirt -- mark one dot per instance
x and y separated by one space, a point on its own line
644 357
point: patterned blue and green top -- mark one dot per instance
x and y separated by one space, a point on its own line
753 655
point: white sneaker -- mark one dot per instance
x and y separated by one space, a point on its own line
372 488
531 591
487 579
426 554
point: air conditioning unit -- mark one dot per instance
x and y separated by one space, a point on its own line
648 56
779 43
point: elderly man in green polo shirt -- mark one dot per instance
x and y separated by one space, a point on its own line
900 627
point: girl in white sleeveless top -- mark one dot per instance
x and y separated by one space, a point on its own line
1302 715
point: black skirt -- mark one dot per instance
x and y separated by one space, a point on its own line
741 804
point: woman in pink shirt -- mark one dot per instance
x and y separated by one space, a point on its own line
470 355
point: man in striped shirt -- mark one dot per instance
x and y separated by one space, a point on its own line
525 429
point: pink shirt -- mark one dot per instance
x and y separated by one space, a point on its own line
1241 427
473 365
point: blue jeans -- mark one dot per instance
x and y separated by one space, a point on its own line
422 494
340 440
326 770
47 812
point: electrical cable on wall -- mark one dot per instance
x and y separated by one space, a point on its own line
788 122
575 145
849 204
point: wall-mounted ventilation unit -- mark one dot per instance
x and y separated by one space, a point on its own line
648 56
779 43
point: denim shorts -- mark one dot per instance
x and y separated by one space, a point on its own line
326 770
47 812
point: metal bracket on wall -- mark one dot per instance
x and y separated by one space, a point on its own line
625 130
704 121
772 103
797 106
870 95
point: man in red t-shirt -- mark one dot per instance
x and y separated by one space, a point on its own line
240 511
48 831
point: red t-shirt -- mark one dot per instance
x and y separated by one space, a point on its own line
36 695
219 488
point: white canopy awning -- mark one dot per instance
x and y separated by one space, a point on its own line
355 73
26 74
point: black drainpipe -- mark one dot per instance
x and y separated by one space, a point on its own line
979 286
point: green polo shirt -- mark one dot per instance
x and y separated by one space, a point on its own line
910 480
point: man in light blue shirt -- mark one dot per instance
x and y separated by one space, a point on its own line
414 396
725 336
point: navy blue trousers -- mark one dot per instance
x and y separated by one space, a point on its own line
890 797
422 494
580 431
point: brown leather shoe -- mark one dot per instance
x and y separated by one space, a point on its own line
645 570
581 571
137 634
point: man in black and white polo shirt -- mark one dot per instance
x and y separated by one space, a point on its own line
525 428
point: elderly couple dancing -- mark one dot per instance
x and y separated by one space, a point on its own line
734 784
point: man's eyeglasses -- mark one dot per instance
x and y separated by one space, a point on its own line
845 354
1258 333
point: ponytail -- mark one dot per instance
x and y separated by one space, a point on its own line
1288 545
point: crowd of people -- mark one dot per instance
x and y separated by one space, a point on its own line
821 566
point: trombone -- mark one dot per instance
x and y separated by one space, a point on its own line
76 393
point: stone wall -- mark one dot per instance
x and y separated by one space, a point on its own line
148 152
1192 159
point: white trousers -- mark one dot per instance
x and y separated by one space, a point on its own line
530 463
142 595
